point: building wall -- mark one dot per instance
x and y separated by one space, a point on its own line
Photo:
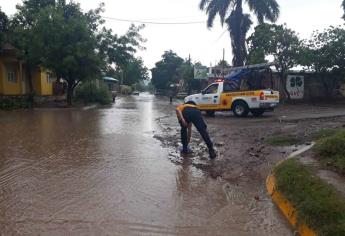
42 86
314 90
36 81
46 84
19 83
10 87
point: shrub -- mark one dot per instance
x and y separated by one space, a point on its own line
91 93
322 133
7 104
126 89
331 151
15 102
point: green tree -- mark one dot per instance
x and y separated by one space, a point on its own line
29 10
64 40
223 63
186 73
134 72
325 54
4 23
21 37
166 70
238 23
278 41
119 50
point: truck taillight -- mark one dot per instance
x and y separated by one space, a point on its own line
262 96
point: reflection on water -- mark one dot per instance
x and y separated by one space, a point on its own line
101 172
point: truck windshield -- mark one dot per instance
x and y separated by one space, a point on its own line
213 88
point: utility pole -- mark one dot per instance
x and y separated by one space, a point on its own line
121 76
223 62
191 74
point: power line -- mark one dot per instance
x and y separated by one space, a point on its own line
221 36
169 18
154 22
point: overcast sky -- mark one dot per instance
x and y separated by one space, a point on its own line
205 45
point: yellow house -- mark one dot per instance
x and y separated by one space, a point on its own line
43 82
13 76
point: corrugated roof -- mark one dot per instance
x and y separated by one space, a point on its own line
110 79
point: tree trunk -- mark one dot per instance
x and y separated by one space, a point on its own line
31 86
70 89
237 27
29 76
284 79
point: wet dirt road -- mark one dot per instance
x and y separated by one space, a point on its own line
104 172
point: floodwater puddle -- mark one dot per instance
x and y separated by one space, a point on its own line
102 172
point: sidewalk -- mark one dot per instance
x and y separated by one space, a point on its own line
306 111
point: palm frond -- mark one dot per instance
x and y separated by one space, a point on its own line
212 12
264 9
214 8
203 4
223 6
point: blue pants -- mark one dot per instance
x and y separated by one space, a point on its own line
193 115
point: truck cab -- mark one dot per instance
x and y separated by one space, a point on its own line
240 94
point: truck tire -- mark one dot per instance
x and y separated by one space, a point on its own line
210 113
240 109
257 112
192 103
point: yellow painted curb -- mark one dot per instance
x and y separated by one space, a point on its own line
286 208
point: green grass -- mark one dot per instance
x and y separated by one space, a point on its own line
282 140
331 151
322 133
318 204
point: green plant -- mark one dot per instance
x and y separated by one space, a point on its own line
331 151
7 104
126 89
318 204
90 93
322 133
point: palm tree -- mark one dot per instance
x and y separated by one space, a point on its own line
238 23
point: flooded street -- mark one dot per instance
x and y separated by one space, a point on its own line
104 172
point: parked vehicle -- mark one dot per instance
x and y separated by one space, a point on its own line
238 93
181 95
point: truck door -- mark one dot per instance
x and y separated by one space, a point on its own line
210 96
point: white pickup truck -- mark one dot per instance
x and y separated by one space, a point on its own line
221 96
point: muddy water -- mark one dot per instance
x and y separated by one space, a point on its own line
102 172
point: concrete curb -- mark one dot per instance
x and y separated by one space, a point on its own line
286 208
285 205
90 107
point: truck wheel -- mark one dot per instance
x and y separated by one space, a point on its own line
192 103
210 113
240 109
257 112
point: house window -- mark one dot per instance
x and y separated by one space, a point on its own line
11 76
50 78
